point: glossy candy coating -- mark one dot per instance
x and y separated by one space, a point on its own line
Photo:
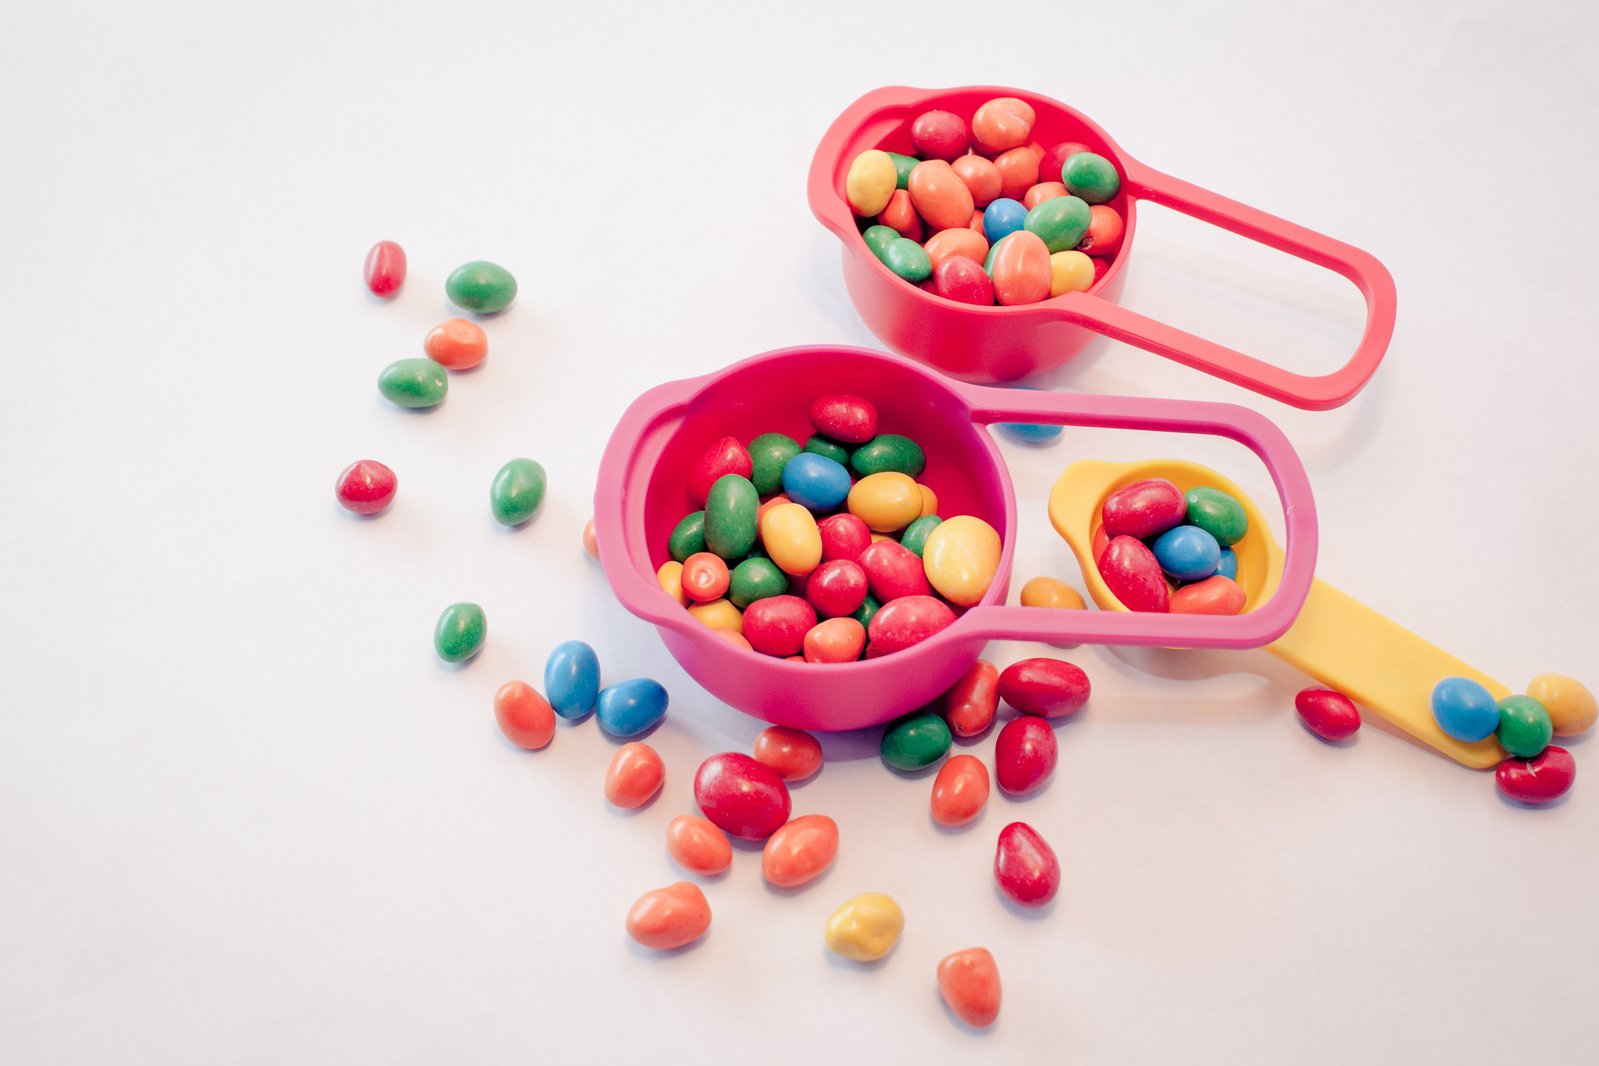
800 851
939 135
1052 688
1020 268
836 589
718 614
870 181
1187 553
670 917
868 611
1539 780
815 482
1002 218
481 286
915 740
525 717
1051 592
1217 514
688 537
591 543
1030 432
1024 755
1090 176
634 776
1025 866
865 928
769 453
903 165
754 579
908 260
384 269
1464 709
981 177
698 846
939 195
818 444
1018 172
1328 714
960 790
1054 158
1525 728
971 703
1059 221
1044 190
791 538
844 536
414 383
793 753
516 492
1133 576
726 456
1572 708
670 578
777 625
704 577
1228 566
630 707
889 452
963 280
894 572
366 487
1143 509
572 679
741 796
730 517
914 537
1002 124
460 632
955 243
456 344
1105 229
969 982
878 238
887 501
1070 271
961 557
1214 595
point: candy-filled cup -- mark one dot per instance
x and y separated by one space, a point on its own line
642 492
1005 343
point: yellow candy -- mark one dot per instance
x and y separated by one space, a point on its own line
718 614
670 575
1051 592
887 502
880 536
789 533
1070 271
929 501
1570 705
865 928
961 556
870 182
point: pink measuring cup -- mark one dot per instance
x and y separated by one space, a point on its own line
642 493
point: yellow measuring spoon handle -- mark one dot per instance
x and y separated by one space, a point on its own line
1382 666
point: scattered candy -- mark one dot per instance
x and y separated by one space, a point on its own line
1464 709
481 286
630 707
698 846
969 982
793 753
414 383
670 917
516 492
1025 866
1572 708
865 928
384 269
366 487
634 776
800 851
741 796
970 704
591 543
456 344
525 717
1539 780
1525 728
915 740
1052 688
960 790
572 679
1328 714
460 632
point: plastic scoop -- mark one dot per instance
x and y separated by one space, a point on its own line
1337 640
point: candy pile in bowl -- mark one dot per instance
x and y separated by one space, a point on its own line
1160 549
827 551
983 215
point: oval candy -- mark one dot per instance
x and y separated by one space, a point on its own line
525 717
1000 219
630 707
1214 595
754 579
1018 172
815 482
414 383
1060 221
939 135
1525 728
1143 509
800 851
961 557
481 286
844 536
688 537
456 344
1539 780
516 492
704 577
1133 576
888 452
963 280
969 982
793 753
670 917
634 776
887 501
906 621
939 195
726 456
366 487
1052 688
1002 124
971 703
572 679
1218 514
981 177
1025 866
1328 714
777 625
1464 709
730 510
1024 755
384 269
790 536
960 790
1090 176
915 740
741 796
962 243
836 589
844 417
894 572
698 846
1572 708
769 453
1020 267
870 181
1187 553
460 632
914 537
864 928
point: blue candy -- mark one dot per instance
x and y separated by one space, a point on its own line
1464 709
1029 432
572 679
1187 553
628 708
1228 567
815 481
1002 218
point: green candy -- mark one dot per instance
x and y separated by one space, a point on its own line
756 579
730 517
1525 727
903 165
820 445
1217 514
1090 176
769 453
915 535
1061 221
517 491
688 538
414 383
481 286
917 740
907 259
889 451
878 238
863 613
460 632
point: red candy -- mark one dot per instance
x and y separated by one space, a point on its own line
1052 688
1540 780
1144 509
939 135
777 625
1101 264
1025 866
1105 229
741 796
384 269
893 571
964 281
851 419
1024 755
366 486
1054 160
1133 576
901 623
726 456
1328 714
970 704
836 588
844 536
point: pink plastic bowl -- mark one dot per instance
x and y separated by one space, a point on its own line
642 494
1006 343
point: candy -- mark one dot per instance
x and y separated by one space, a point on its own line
456 344
1070 271
1187 553
670 917
741 796
963 280
1538 780
889 452
955 243
1328 714
1025 866
961 557
670 578
800 851
525 717
1090 176
865 928
718 614
698 846
900 216
1228 566
730 517
791 538
1464 709
591 543
1143 509
731 636
1024 755
630 707
366 487
769 453
572 679
793 753
1217 514
970 704
815 482
414 383
516 492
726 456
836 589
704 577
1002 218
903 165
1214 595
982 179
1104 234
939 195
868 610
914 538
1133 576
939 135
870 181
878 238
969 982
460 632
887 501
1002 124
1018 172
688 536
481 286
1060 222
384 269
1044 190
1525 728
760 513
907 260
1020 267
1051 592
1050 164
905 621
634 776
1052 688
843 536
777 625
755 579
1572 708
915 740
820 445
960 790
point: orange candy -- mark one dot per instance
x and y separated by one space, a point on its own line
969 982
1105 229
800 851
704 577
525 716
1214 595
1018 172
900 215
1021 269
775 501
939 195
456 344
635 775
591 543
697 845
981 177
793 753
733 637
1002 124
667 918
946 244
960 790
837 640
1044 190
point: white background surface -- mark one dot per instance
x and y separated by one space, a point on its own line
245 815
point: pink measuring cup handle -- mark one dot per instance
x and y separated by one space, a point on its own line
1256 432
1316 393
